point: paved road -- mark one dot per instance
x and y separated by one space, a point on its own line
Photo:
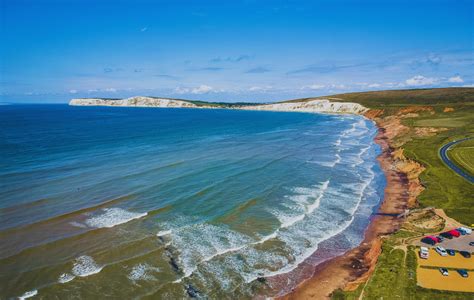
444 156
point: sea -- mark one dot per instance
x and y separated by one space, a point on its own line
162 203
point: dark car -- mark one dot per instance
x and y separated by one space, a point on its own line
429 240
451 252
471 243
440 238
447 235
465 254
463 273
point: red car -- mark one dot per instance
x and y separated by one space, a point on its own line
455 233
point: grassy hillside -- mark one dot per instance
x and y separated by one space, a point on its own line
378 99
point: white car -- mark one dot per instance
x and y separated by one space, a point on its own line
444 271
424 253
441 251
465 230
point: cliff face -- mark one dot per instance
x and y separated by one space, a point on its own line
132 102
322 106
316 106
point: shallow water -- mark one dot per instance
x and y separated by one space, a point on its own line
171 203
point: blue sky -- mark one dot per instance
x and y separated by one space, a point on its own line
52 51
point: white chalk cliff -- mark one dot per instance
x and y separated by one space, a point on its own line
138 101
315 106
320 105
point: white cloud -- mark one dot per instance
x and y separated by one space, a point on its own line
456 79
315 86
259 88
181 90
202 89
374 85
144 29
92 91
112 90
420 80
468 85
73 91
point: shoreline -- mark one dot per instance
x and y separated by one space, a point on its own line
353 267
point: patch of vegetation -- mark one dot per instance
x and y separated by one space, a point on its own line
462 154
422 222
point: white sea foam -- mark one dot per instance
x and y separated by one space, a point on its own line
28 294
85 266
112 217
311 207
65 277
142 272
302 197
213 241
164 232
266 238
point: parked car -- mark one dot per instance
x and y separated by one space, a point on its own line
444 271
471 243
455 233
441 251
440 238
465 230
430 240
463 273
447 235
451 252
465 254
424 253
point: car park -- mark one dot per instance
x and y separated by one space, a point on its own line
451 252
424 253
444 271
463 273
465 254
441 251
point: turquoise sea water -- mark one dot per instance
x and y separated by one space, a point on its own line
176 203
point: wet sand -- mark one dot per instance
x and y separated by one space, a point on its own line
353 267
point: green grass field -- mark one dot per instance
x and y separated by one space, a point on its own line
462 155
